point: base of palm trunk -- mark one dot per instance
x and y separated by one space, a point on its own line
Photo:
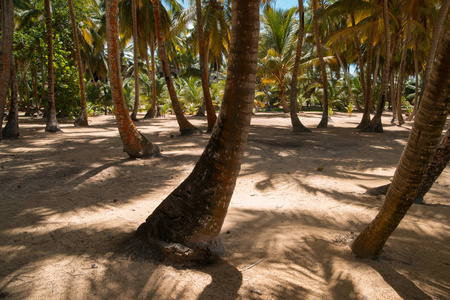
134 117
81 122
323 123
52 127
145 246
376 127
191 131
9 134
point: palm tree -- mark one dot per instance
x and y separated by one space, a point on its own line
186 128
324 121
297 125
134 9
52 122
82 120
418 153
186 225
11 130
211 114
6 53
135 144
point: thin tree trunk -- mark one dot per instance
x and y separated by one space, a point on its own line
134 5
400 83
186 128
438 27
297 125
186 225
135 144
324 121
211 114
82 120
11 130
417 155
360 62
416 75
352 97
6 53
368 100
52 123
35 95
151 113
375 124
375 78
392 97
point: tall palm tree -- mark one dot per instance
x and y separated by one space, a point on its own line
135 144
186 128
82 120
134 9
52 123
193 214
297 125
6 53
418 153
211 114
324 121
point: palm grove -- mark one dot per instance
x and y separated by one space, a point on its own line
143 58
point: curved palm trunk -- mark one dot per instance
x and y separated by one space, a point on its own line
82 120
193 214
375 124
135 144
186 128
6 53
52 122
400 85
136 60
438 27
417 155
211 114
11 130
297 125
416 76
324 121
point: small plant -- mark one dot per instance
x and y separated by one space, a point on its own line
349 108
409 108
330 111
165 109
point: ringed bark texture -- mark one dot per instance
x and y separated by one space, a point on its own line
6 52
135 144
193 214
52 123
414 162
11 130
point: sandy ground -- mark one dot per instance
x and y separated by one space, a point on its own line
68 199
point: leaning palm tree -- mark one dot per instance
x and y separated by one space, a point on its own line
186 128
135 144
52 122
82 120
416 157
324 121
186 225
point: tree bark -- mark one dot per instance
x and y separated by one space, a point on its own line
375 124
438 27
186 225
135 59
414 162
211 114
52 123
82 120
186 128
401 71
135 144
368 98
297 125
152 111
324 121
416 76
11 130
6 53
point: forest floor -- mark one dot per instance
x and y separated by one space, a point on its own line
68 199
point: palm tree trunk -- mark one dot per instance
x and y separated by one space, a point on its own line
400 83
324 121
375 77
211 114
6 53
193 214
52 122
416 76
375 124
11 130
360 62
297 125
135 144
82 120
152 111
438 27
352 97
135 60
418 153
186 128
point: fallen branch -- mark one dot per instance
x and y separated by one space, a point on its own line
249 267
